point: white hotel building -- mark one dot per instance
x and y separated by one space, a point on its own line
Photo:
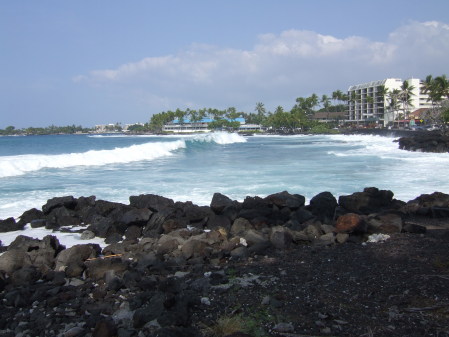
375 110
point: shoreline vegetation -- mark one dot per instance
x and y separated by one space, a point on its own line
364 264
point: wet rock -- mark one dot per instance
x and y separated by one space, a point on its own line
113 238
38 223
31 215
133 232
87 235
67 201
9 225
101 226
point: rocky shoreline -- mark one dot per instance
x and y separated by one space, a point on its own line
365 264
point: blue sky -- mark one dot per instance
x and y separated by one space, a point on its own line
93 62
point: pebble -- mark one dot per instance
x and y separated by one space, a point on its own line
284 327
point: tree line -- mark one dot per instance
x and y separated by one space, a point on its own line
299 117
49 130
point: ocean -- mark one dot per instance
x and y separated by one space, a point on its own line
34 169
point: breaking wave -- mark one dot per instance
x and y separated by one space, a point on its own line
18 165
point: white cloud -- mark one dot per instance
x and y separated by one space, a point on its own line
277 69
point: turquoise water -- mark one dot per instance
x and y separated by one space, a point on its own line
36 168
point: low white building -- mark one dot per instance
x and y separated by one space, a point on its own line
368 102
203 126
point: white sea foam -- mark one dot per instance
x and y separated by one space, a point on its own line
65 238
18 165
221 138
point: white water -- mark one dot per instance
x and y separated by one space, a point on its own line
193 167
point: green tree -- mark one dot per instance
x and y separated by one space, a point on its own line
405 97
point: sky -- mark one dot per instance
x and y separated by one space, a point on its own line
97 62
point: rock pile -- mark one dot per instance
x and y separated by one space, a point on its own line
151 275
425 142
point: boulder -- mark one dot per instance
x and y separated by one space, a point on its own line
101 226
13 260
435 204
193 248
153 202
195 213
371 200
105 208
174 224
253 237
220 202
281 238
301 215
71 260
312 232
425 142
154 227
61 216
97 268
385 223
25 276
9 225
136 217
87 235
285 199
351 223
41 253
239 226
67 201
30 216
219 221
323 206
133 232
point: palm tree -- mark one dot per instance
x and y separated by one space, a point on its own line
260 108
325 100
337 95
393 98
406 97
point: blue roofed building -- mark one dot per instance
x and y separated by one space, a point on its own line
187 126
